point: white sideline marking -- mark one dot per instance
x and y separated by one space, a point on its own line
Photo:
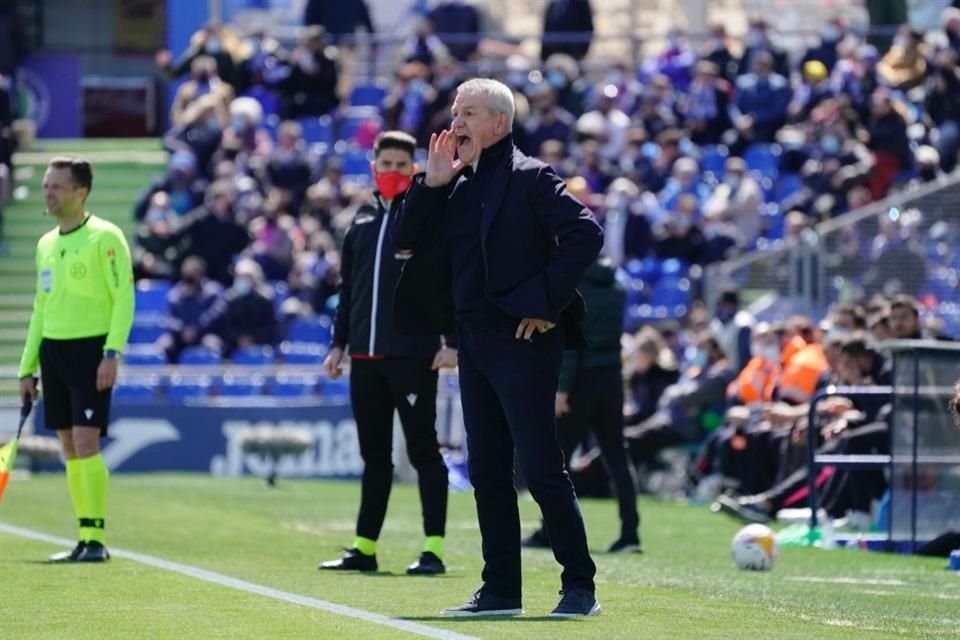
866 581
250 587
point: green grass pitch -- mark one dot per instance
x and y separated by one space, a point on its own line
684 586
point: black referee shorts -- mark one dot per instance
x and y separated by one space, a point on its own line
68 381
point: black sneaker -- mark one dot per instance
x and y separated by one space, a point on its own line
536 540
352 560
68 556
625 545
745 509
576 603
483 603
428 564
93 551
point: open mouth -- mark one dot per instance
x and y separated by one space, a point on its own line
463 143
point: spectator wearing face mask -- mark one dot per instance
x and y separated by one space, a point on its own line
759 40
214 235
826 51
684 181
204 80
751 384
200 131
763 97
248 317
308 85
733 328
213 40
194 307
705 107
737 200
905 65
717 51
814 90
678 235
288 167
183 183
157 248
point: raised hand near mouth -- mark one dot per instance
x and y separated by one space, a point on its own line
442 164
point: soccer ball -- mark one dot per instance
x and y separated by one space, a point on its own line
755 547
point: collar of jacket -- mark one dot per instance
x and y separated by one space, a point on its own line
492 154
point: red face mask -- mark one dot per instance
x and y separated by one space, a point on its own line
392 183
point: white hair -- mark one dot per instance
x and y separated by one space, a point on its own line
498 96
247 108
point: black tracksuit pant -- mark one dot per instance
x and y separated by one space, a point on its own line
508 388
377 387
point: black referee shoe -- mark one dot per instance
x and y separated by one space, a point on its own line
352 560
93 551
428 564
68 556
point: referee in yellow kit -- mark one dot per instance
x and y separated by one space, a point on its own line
82 314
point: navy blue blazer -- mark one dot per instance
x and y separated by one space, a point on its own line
537 241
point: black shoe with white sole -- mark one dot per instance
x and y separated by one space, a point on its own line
484 603
576 603
352 560
428 564
625 545
93 551
67 556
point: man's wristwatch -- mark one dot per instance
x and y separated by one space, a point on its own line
111 354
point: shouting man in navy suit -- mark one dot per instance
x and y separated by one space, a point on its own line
499 245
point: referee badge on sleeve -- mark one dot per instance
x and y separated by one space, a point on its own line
46 280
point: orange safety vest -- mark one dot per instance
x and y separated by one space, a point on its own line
800 374
750 386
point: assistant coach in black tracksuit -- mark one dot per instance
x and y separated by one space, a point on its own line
388 371
499 246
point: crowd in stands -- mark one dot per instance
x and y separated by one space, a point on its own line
691 156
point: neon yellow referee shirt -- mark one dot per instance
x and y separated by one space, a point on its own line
84 289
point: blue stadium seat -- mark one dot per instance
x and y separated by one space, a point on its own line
135 392
335 390
182 388
281 291
145 332
234 386
256 354
317 130
647 269
151 296
713 160
354 118
367 95
673 268
356 162
763 158
302 352
942 283
144 357
671 292
294 385
315 329
198 355
786 185
636 290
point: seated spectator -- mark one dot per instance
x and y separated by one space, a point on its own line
879 327
705 109
950 20
904 319
927 164
563 73
757 42
802 364
182 183
423 45
596 170
200 131
654 176
213 40
214 235
261 64
194 307
678 236
689 409
249 318
272 247
855 80
616 124
157 249
826 51
308 86
459 23
732 326
246 135
737 200
675 61
905 65
896 263
626 229
409 101
655 368
717 52
760 108
548 120
942 88
886 137
204 81
685 179
652 116
753 383
552 152
814 90
288 167
722 239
